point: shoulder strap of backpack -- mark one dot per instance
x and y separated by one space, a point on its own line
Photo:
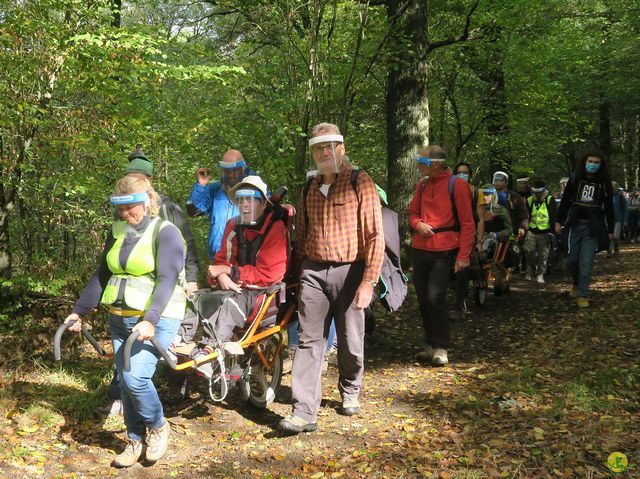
452 184
354 179
548 200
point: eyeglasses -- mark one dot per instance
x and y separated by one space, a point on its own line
319 148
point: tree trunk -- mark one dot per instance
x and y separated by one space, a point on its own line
496 102
407 105
117 14
5 250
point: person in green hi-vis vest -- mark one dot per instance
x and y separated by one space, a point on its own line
141 280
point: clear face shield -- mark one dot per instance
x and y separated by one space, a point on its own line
325 154
232 173
489 195
250 205
539 192
500 181
125 212
522 184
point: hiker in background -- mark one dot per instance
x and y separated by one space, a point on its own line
585 219
441 217
542 212
211 198
463 171
621 218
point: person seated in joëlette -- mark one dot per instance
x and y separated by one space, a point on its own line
253 256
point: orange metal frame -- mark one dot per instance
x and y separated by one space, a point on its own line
252 337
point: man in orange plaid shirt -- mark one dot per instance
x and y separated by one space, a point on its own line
338 256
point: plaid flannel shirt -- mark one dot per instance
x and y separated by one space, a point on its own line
344 226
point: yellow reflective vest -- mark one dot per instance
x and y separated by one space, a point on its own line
539 214
139 272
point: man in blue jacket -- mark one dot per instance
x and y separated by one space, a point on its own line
211 198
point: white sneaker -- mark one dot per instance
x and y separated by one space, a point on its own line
529 277
540 279
440 357
157 442
426 354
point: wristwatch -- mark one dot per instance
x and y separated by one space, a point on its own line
373 283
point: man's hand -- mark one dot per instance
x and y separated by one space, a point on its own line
558 228
203 176
610 236
363 295
521 233
479 247
460 265
192 287
147 330
77 326
424 229
226 283
216 270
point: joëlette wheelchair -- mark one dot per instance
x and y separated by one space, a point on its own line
256 370
484 267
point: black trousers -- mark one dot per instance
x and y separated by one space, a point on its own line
431 276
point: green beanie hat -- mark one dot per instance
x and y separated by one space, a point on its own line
139 163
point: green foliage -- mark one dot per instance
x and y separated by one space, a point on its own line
187 82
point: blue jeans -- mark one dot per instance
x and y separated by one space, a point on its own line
292 334
141 405
582 251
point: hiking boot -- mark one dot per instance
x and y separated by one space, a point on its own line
540 279
440 357
574 292
350 407
426 355
157 442
294 424
582 302
130 455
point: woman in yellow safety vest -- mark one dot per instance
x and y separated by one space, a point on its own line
140 279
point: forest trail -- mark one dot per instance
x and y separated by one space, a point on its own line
535 389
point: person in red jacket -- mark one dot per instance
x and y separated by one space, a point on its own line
252 257
442 232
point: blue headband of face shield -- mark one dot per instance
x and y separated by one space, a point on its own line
538 190
248 194
425 160
129 199
489 191
229 166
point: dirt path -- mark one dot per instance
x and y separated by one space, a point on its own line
535 389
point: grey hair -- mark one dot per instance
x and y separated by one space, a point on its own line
325 129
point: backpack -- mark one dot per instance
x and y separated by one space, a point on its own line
393 283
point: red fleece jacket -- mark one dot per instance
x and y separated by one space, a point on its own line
432 205
271 262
